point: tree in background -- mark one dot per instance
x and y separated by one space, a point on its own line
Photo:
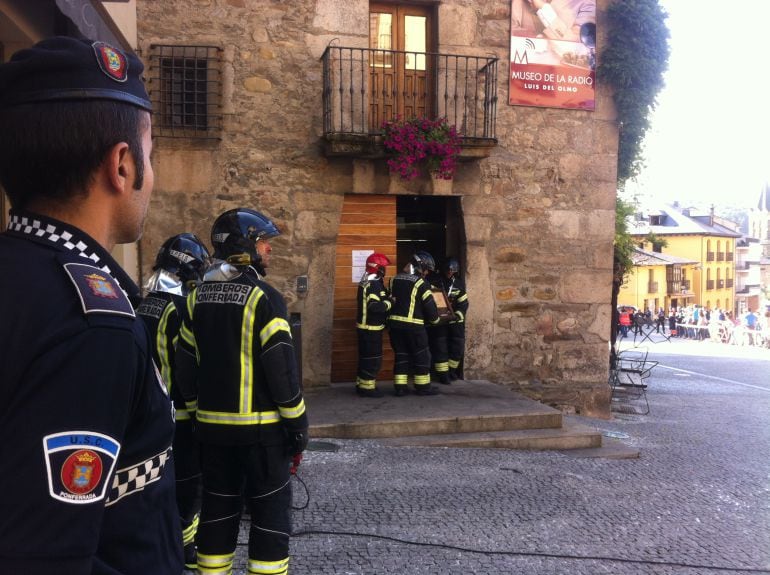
632 63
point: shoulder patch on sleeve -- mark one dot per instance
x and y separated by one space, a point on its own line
79 463
98 291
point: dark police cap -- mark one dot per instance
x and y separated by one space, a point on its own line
63 68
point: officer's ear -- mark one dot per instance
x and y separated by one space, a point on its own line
119 168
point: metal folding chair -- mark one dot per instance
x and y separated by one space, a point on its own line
629 375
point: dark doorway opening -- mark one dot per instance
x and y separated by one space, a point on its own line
429 223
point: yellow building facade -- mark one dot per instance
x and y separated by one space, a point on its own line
658 280
703 239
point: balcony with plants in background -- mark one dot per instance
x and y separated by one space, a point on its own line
366 88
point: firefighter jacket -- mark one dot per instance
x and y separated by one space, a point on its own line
162 313
372 303
87 425
245 373
413 303
458 298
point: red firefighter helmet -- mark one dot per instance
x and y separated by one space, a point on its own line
376 264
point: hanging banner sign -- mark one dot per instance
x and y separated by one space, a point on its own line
553 58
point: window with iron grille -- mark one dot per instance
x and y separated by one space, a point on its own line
186 91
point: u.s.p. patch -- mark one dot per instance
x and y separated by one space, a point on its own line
79 463
98 291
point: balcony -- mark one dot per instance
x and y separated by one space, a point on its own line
652 287
365 87
720 256
709 256
709 284
729 256
729 283
720 284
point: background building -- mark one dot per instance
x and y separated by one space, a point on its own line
658 280
277 106
703 238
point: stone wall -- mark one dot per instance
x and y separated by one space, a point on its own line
538 213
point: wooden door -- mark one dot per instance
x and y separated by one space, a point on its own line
400 68
368 223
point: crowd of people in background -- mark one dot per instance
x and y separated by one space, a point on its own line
699 323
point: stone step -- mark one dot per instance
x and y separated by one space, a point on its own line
463 407
571 436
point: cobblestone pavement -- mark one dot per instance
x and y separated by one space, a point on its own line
697 501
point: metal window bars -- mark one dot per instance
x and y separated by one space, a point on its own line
185 86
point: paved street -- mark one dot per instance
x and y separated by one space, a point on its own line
697 501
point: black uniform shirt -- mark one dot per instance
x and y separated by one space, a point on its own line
244 369
86 425
372 304
413 303
161 312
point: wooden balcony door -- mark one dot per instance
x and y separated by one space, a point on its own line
400 71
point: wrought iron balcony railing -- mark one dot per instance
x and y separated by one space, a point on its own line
365 87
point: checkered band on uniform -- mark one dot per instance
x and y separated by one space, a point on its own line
51 233
134 479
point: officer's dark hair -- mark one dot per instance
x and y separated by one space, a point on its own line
51 150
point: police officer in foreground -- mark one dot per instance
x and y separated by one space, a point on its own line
236 356
413 306
179 267
88 482
372 306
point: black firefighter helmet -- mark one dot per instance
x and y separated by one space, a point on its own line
423 261
235 233
183 255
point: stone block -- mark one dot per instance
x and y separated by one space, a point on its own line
457 25
582 287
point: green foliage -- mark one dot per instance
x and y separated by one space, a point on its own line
656 241
632 62
624 243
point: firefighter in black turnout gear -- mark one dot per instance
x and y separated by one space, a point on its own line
437 333
236 356
458 298
413 306
87 486
178 268
372 306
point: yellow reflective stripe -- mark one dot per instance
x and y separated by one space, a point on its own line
422 379
460 316
407 319
182 415
215 564
280 567
441 366
454 364
413 297
400 379
161 344
292 412
463 298
427 295
224 418
370 327
191 405
388 304
273 326
247 338
364 305
366 383
374 297
185 332
188 534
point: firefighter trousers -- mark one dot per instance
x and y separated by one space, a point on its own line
456 343
260 473
369 357
187 469
437 337
412 355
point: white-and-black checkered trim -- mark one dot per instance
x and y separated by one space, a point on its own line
134 479
34 227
